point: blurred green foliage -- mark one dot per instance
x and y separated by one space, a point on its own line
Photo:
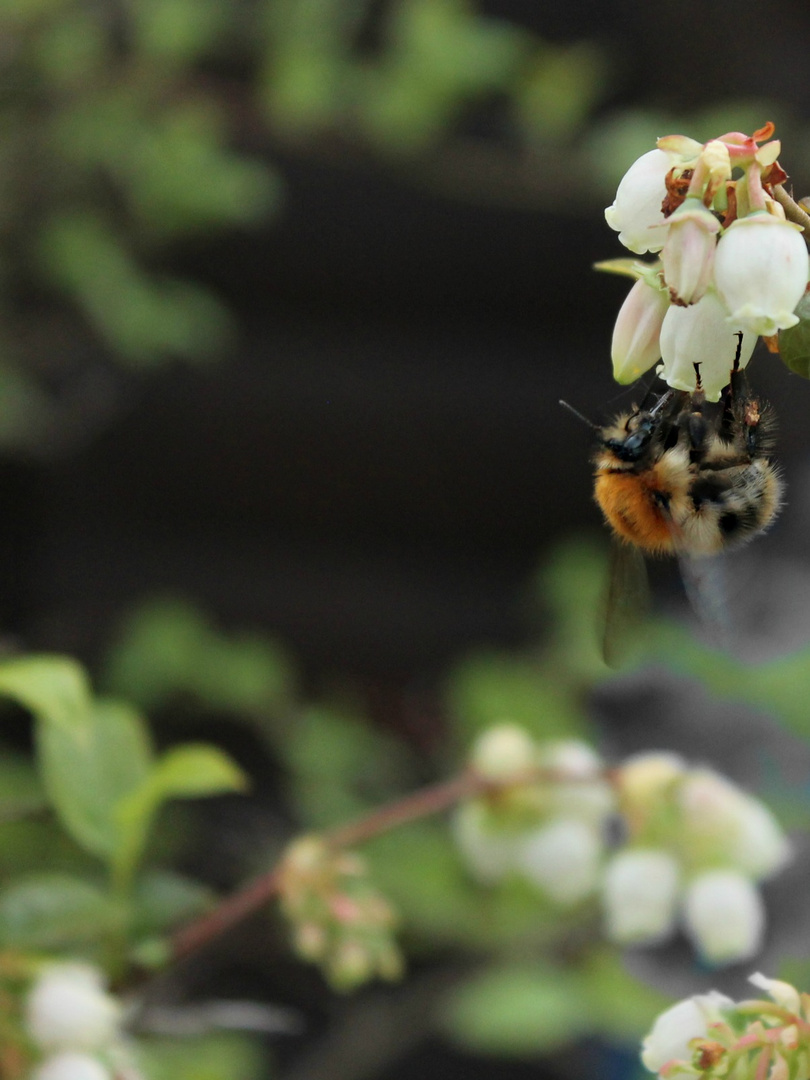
528 976
133 130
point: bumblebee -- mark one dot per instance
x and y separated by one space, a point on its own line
687 478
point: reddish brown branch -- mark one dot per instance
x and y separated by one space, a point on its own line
419 804
262 890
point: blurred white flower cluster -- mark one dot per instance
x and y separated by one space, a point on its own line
693 844
696 846
709 1036
730 262
76 1024
551 831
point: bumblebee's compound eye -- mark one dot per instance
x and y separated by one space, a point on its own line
631 448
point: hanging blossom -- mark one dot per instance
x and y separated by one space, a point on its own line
545 821
711 1036
75 1024
694 848
725 248
697 846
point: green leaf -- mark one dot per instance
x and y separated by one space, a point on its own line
491 687
54 688
443 903
21 791
516 1010
794 343
340 766
88 768
167 646
619 1006
216 1056
162 899
54 911
191 771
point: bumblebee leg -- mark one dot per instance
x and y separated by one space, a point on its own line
694 422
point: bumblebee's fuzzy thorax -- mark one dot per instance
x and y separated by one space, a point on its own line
683 478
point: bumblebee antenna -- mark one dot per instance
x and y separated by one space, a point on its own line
579 415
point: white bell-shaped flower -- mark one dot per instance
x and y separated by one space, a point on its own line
688 255
640 891
739 828
490 852
635 346
724 916
563 858
760 847
636 212
674 1029
761 270
503 751
69 1009
701 334
582 792
71 1065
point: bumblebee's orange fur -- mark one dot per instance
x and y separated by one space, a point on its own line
678 479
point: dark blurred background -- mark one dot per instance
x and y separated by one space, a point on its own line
375 463
290 294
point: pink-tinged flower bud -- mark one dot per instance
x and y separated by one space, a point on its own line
674 1029
701 334
782 993
724 822
636 212
724 916
635 346
563 859
761 269
640 895
688 254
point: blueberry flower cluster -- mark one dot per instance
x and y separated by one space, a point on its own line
711 1036
693 845
729 260
545 819
696 846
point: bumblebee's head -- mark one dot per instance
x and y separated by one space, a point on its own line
638 431
630 437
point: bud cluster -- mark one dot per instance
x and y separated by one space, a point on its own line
693 845
729 260
711 1036
340 921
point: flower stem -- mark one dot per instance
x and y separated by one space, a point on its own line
793 211
419 804
254 895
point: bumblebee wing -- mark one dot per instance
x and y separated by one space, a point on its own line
626 601
704 581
